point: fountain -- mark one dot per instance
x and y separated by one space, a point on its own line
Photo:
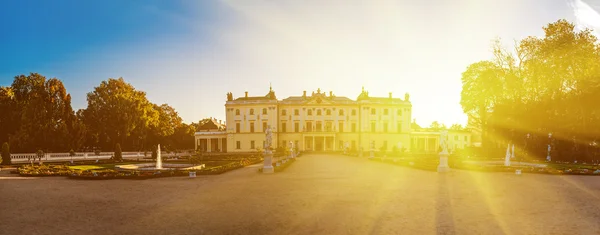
159 166
158 159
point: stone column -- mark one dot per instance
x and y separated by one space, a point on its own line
291 149
372 153
313 143
333 144
208 144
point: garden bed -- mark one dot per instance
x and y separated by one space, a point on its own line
107 171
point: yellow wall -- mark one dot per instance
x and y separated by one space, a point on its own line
332 137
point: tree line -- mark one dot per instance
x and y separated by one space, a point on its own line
37 115
542 91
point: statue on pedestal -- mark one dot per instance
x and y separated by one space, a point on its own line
268 156
444 141
269 138
443 166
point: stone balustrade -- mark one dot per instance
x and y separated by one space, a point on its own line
25 157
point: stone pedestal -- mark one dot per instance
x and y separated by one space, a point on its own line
443 167
268 162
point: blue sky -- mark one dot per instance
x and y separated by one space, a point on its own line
189 54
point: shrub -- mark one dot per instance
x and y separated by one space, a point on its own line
40 153
72 153
118 154
6 154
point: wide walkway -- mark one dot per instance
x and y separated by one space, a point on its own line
318 194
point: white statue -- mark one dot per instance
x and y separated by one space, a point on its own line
444 141
269 138
507 157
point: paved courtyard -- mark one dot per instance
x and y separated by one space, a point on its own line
319 194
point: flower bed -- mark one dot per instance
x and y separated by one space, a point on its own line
562 170
97 172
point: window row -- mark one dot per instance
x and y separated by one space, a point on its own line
309 112
318 127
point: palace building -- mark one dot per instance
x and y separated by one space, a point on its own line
317 122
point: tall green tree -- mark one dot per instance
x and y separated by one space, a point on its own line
6 154
9 117
44 111
545 84
118 113
481 90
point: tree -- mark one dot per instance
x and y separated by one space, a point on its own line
118 113
118 153
435 125
9 115
482 87
42 114
6 154
546 84
456 127
154 153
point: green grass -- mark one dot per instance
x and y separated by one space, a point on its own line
209 164
99 166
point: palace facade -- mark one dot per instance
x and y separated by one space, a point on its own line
317 122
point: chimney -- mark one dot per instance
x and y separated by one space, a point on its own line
246 94
304 94
390 95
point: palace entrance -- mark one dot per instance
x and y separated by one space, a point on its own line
319 143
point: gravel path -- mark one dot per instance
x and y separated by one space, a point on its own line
318 194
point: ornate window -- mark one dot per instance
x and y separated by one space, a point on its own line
283 112
399 112
385 111
328 112
341 112
251 111
318 112
237 112
296 112
373 111
354 112
309 112
264 111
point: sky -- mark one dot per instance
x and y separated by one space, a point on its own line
190 54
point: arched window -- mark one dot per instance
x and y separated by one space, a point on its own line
341 112
264 111
328 112
237 112
251 111
318 112
310 112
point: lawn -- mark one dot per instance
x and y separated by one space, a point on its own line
99 166
208 164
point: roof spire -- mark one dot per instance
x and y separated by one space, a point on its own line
270 87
